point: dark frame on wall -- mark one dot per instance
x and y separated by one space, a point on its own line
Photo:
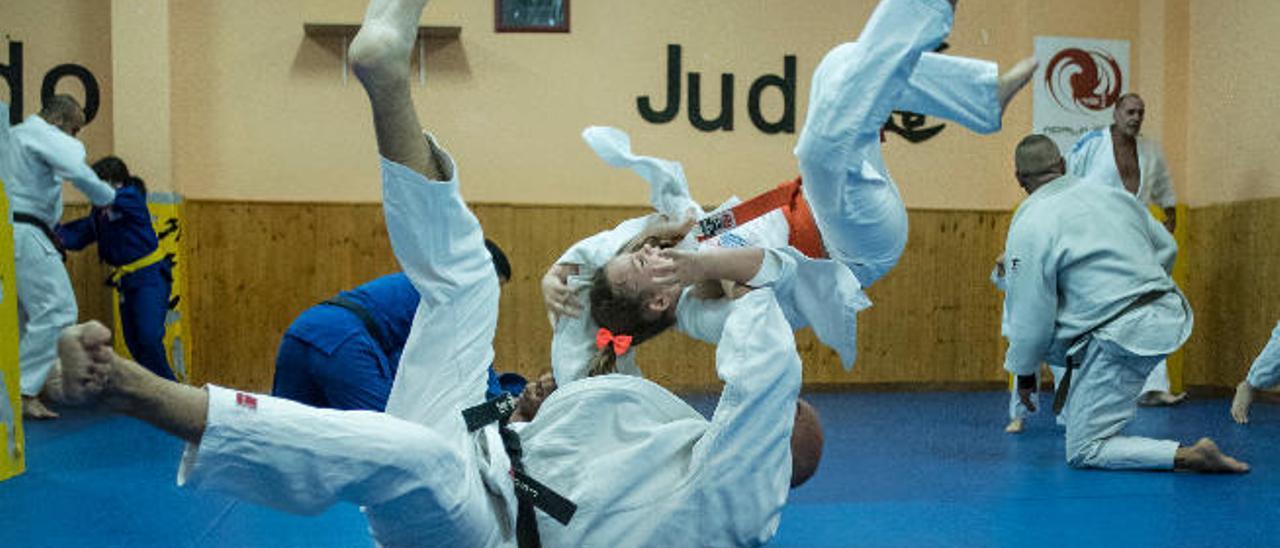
531 15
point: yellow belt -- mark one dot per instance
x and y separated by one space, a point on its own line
152 258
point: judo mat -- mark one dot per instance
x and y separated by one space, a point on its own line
900 469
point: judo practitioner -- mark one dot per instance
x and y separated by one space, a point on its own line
141 273
1120 157
1263 374
1088 287
344 353
44 153
642 467
841 226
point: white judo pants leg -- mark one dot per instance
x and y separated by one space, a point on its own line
420 488
1265 371
1102 400
857 85
1158 380
46 304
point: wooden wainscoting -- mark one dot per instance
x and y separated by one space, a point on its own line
1234 255
255 266
935 321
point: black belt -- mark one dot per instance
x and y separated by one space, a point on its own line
530 493
29 219
365 318
1073 362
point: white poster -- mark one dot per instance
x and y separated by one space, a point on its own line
1078 82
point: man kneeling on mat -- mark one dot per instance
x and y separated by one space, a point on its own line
1088 287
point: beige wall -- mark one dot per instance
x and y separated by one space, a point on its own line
1232 146
259 112
54 32
262 113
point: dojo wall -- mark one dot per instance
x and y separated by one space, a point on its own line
256 127
261 112
256 266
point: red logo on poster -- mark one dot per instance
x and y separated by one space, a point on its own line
1083 79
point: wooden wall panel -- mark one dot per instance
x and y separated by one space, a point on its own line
255 266
1235 262
935 321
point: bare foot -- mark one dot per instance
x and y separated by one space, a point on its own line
86 358
380 52
1240 404
34 409
1015 426
1160 399
1205 456
1015 79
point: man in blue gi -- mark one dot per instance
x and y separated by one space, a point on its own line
343 353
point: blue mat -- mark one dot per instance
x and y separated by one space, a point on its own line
917 469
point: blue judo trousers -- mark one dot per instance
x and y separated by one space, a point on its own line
124 234
343 353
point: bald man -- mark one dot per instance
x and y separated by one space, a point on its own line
1119 156
45 153
1088 287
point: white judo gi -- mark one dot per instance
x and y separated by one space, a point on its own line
855 204
1078 254
1093 158
44 156
1265 371
643 467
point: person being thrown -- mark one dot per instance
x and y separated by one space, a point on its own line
837 229
610 460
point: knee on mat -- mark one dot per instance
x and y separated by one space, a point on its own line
1083 453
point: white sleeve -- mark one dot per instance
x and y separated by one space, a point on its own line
1165 247
440 246
668 188
1031 297
1081 154
758 362
65 157
704 319
434 235
594 251
1162 192
7 157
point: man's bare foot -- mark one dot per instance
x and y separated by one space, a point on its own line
1240 404
1015 79
380 52
86 358
1014 427
1160 399
34 409
1205 456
